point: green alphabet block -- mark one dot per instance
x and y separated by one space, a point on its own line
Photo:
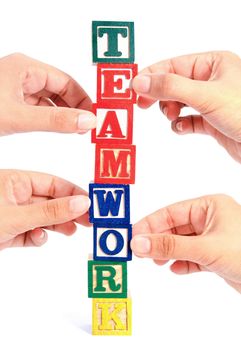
107 279
113 42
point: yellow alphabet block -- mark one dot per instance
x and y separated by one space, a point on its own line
111 316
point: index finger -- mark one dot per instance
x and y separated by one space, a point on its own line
46 185
183 218
194 66
40 76
55 187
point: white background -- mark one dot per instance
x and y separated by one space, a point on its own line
43 292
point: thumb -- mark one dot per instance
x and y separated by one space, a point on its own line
172 87
58 119
19 219
167 247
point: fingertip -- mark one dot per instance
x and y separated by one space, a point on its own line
141 245
134 251
169 114
84 221
160 262
183 267
175 269
71 229
39 236
180 267
170 109
86 121
144 103
178 126
79 204
141 84
165 111
67 228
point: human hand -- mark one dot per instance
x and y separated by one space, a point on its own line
31 201
209 83
27 85
202 234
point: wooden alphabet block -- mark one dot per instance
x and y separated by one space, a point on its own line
115 164
111 316
113 82
107 279
113 51
109 203
114 123
112 242
113 42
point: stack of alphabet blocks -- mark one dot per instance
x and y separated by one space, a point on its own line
113 51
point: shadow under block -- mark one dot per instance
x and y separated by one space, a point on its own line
111 316
109 203
112 242
107 279
114 123
115 164
113 82
113 41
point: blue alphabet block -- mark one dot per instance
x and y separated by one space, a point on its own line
109 204
112 242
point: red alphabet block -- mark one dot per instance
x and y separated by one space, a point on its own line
114 123
113 82
115 164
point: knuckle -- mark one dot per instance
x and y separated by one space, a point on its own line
18 186
17 56
166 246
162 85
216 205
52 186
225 197
219 198
58 119
225 56
229 53
52 210
169 220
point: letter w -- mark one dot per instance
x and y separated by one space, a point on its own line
108 204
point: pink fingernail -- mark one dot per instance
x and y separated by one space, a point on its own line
141 84
42 235
79 204
86 121
165 111
141 245
179 126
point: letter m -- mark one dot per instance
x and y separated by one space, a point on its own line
115 164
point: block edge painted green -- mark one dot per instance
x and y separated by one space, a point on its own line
92 294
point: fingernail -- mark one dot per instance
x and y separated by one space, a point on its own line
79 204
179 126
165 111
86 121
142 84
141 245
82 131
42 235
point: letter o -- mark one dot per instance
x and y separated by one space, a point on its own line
119 242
